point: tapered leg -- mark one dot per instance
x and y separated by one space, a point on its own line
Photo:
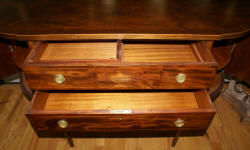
178 133
69 139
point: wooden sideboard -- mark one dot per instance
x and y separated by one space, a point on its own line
121 66
120 73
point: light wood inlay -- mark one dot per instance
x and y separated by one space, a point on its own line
158 53
121 101
84 51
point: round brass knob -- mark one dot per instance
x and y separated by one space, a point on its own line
59 79
62 123
179 123
181 77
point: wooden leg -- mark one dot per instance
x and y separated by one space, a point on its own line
178 133
69 139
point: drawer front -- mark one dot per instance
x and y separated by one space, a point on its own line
115 123
120 77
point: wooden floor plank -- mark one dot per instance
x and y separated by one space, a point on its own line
225 133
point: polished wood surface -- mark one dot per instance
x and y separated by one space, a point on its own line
7 65
225 132
80 51
120 112
124 19
117 112
25 87
239 65
120 77
21 51
159 73
222 52
121 123
158 53
121 101
216 87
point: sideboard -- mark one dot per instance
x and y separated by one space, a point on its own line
98 66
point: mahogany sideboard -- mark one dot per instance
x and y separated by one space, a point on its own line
124 66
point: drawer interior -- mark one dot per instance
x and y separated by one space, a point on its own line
116 102
121 52
167 52
160 53
74 51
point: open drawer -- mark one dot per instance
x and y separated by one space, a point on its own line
119 65
108 112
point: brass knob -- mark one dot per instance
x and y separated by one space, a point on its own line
179 123
181 77
59 79
62 123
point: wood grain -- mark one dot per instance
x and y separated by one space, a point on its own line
121 101
225 132
158 53
123 19
115 112
152 52
134 68
203 51
120 123
122 76
80 51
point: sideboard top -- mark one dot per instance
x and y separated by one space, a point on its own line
124 19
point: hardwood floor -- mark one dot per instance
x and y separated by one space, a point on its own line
225 132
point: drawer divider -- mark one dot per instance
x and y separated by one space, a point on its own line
120 50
